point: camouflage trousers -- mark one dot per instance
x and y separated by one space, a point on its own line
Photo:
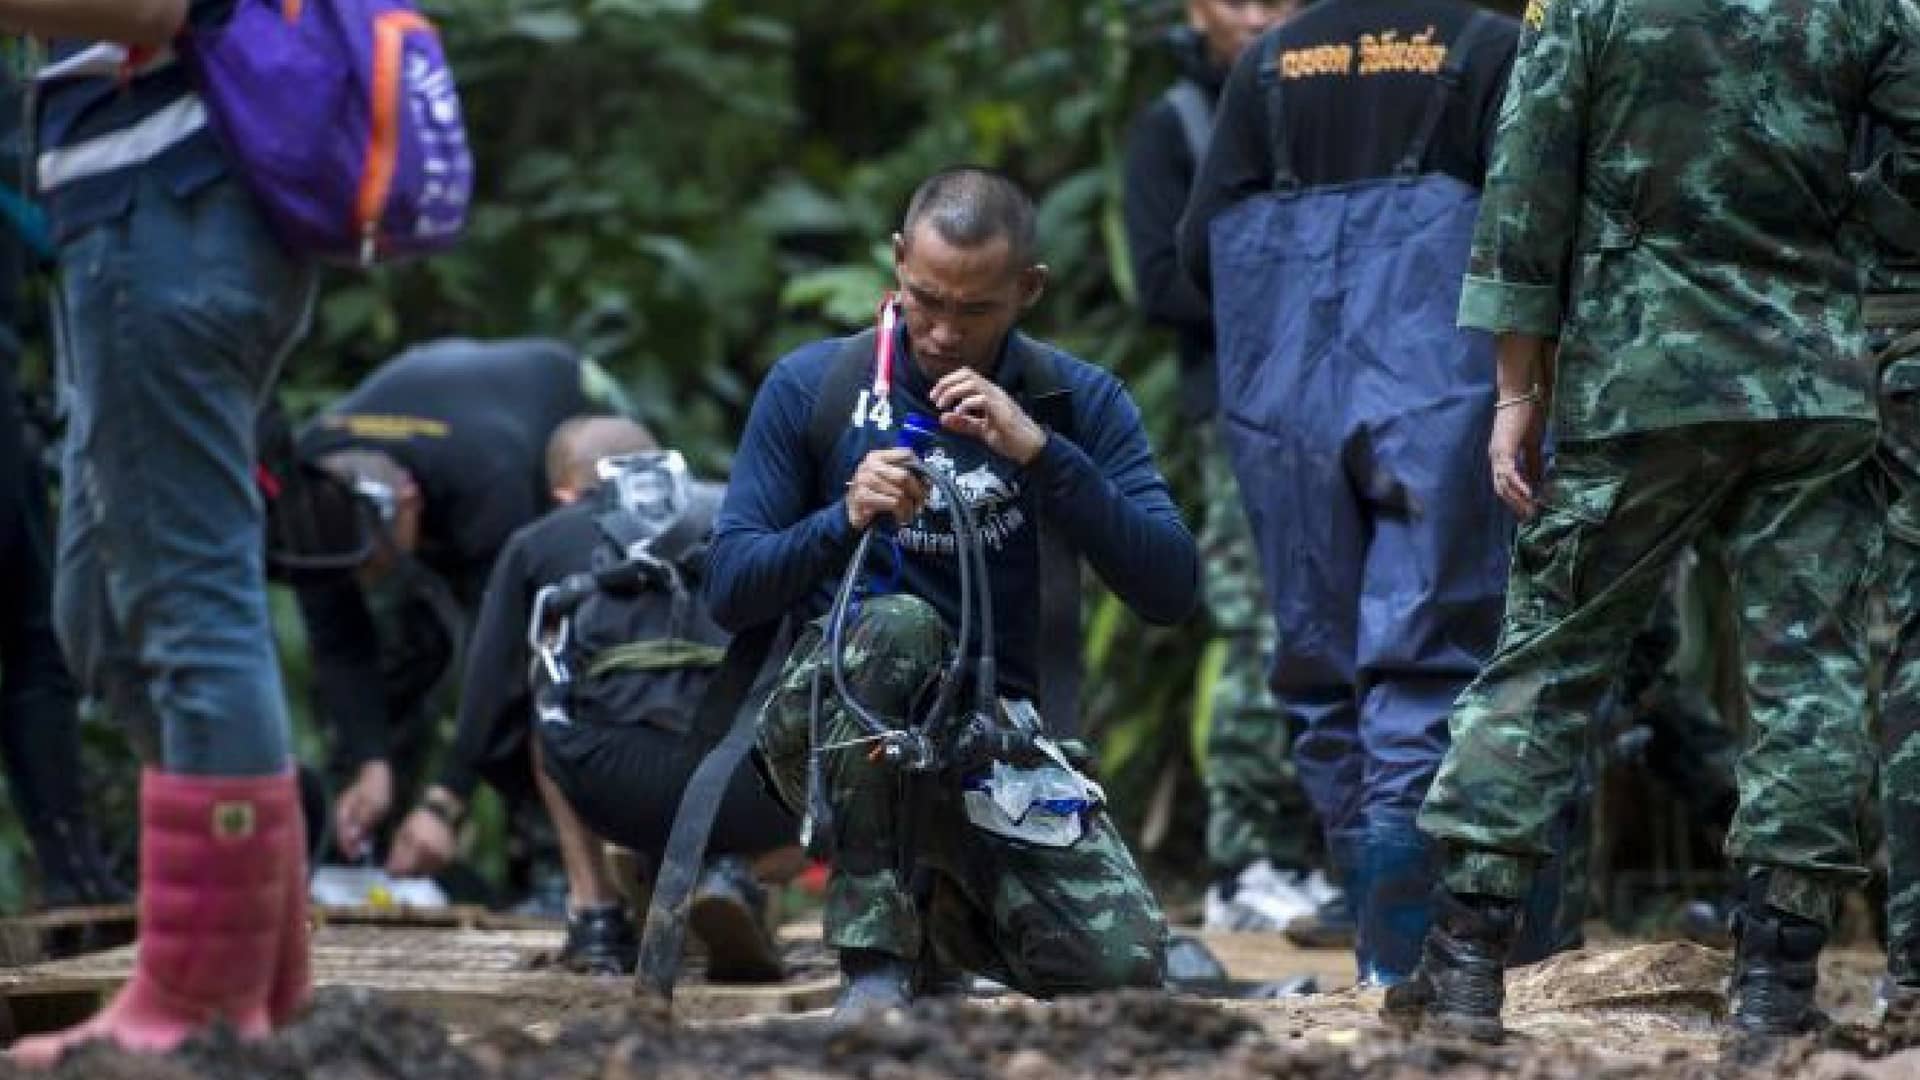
1044 921
1897 468
1779 499
1256 808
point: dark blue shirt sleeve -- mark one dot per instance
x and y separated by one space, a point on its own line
1112 503
352 700
771 546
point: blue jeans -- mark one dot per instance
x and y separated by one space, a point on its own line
177 315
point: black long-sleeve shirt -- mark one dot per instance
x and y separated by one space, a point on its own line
1160 167
1353 105
783 533
470 421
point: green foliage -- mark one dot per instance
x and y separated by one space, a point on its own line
690 188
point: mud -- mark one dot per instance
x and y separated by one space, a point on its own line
357 1035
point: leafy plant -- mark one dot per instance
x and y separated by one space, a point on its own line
690 188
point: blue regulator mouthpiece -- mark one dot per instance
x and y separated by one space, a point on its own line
917 433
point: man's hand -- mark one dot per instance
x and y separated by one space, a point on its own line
972 404
1523 387
883 485
1514 453
362 807
423 846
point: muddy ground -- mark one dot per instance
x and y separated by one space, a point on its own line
1626 1012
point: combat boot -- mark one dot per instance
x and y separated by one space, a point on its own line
1896 1002
1331 926
600 941
729 916
1459 985
872 982
936 977
1776 960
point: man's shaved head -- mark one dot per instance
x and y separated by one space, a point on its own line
971 207
579 444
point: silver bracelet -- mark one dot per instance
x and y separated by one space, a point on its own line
1532 395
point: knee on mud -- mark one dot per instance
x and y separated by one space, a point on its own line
1088 959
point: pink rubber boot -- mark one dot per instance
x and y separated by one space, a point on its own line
213 899
292 975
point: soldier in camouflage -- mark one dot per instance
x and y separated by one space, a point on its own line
1892 316
921 878
1898 466
1667 200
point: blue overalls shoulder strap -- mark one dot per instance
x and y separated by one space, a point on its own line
1452 73
1450 78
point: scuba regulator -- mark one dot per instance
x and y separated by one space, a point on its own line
658 521
998 751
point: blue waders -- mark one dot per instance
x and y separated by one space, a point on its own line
1357 417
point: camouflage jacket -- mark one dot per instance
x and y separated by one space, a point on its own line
1670 197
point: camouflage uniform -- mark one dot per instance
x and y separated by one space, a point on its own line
1256 808
1898 469
1044 921
1663 200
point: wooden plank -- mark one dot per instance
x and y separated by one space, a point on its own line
65 932
463 916
469 976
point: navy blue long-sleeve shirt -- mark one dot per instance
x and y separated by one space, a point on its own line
783 538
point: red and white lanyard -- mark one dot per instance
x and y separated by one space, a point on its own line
883 350
876 406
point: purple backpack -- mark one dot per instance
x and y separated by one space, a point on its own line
343 118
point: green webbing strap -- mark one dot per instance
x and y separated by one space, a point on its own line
664 654
1885 311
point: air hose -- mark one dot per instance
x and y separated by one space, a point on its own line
910 746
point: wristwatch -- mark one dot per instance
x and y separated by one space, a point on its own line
445 806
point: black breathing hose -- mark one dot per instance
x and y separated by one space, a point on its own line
971 557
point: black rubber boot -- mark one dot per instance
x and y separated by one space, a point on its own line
1335 924
935 978
1331 926
1776 965
1898 997
729 915
40 749
871 983
1459 985
600 941
73 868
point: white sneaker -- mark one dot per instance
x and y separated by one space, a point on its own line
1264 900
1230 915
1322 890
